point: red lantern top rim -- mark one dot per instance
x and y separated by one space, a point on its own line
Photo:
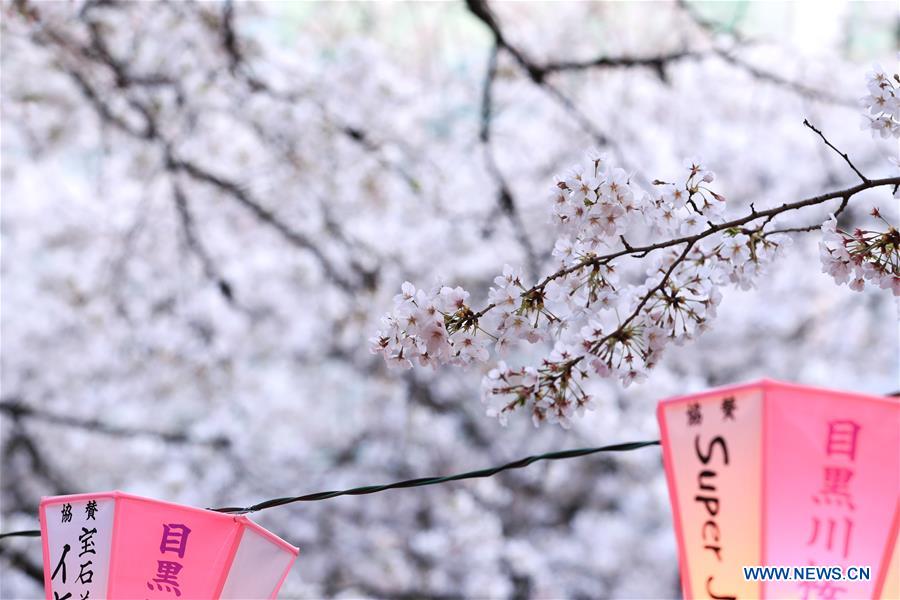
771 384
116 494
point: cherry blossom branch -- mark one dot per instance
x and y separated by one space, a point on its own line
623 329
769 214
866 255
845 202
579 305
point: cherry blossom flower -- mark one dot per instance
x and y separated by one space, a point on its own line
862 256
882 103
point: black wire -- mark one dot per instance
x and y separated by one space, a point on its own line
26 533
421 481
372 489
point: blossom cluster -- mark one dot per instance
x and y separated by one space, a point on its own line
882 103
863 256
601 323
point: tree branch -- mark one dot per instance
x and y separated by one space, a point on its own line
19 560
151 133
505 200
193 242
658 63
754 215
841 154
18 410
537 73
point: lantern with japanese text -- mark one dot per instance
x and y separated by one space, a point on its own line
775 474
115 545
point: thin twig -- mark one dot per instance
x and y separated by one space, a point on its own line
841 154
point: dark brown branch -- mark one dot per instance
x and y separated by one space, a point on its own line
102 109
841 154
229 37
100 52
536 72
814 227
768 214
657 63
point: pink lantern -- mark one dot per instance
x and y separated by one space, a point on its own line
775 474
115 545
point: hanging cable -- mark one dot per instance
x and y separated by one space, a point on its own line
409 483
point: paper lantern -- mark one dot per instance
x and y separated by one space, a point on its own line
115 545
775 474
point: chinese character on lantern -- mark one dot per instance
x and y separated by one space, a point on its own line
116 546
783 475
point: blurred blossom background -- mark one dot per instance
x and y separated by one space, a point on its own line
207 208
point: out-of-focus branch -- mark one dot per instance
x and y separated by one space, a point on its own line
18 410
19 560
373 591
266 216
229 37
536 72
18 441
731 57
657 63
423 395
150 132
240 68
505 200
794 86
195 245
